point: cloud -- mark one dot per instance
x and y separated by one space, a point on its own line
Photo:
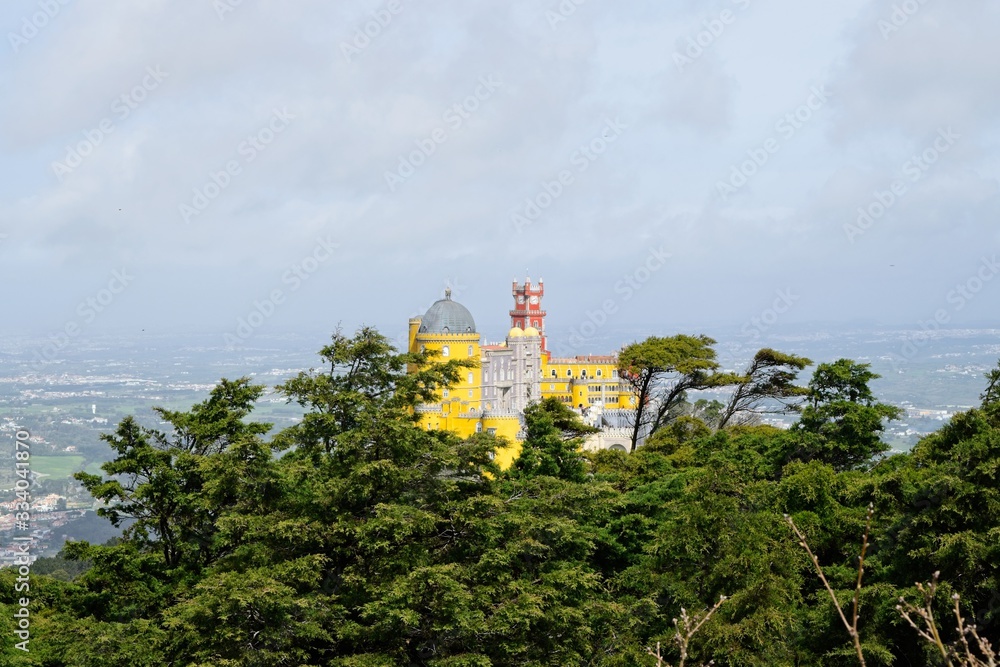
358 113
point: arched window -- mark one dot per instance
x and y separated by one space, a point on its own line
569 372
470 350
445 351
598 372
479 427
470 378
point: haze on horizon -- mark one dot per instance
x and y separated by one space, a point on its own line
716 154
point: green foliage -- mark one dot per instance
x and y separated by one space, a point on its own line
172 486
59 567
842 422
769 377
552 443
992 393
373 542
661 370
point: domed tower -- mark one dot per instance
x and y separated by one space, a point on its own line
449 329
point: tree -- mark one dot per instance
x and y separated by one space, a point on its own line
842 422
168 487
373 508
552 446
769 377
364 375
992 392
707 411
660 371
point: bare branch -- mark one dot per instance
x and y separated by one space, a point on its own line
852 628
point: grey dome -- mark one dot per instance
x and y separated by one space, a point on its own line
447 316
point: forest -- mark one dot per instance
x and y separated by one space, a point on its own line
355 538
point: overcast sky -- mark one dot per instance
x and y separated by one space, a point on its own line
666 164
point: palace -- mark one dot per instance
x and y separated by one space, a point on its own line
516 372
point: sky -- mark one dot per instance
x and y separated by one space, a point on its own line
242 167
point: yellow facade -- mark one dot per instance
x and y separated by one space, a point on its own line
585 382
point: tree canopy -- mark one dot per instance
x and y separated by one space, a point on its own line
660 371
356 538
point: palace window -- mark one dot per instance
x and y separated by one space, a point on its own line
470 378
470 350
445 351
479 427
599 372
553 372
569 372
444 394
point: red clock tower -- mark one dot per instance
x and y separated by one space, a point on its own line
527 311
